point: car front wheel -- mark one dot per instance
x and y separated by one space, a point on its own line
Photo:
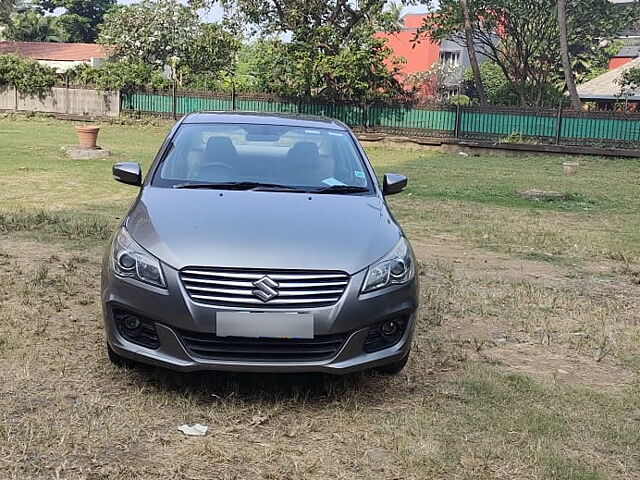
393 368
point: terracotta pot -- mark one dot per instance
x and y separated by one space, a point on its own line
87 136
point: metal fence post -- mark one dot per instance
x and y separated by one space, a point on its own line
365 116
233 95
174 102
559 124
458 121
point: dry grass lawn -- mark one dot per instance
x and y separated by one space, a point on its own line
525 364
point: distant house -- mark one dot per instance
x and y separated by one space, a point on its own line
422 55
625 55
630 40
61 56
605 91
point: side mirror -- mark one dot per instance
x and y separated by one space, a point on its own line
393 183
128 172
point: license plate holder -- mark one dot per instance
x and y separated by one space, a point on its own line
264 325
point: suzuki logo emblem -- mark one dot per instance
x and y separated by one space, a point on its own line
265 289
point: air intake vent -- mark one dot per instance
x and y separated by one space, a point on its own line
212 347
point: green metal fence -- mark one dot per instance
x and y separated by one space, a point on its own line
495 124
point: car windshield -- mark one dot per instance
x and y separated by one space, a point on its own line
249 156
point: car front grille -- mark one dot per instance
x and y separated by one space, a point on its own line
210 346
263 288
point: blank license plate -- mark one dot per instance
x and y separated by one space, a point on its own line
267 324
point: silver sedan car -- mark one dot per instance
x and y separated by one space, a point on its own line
260 243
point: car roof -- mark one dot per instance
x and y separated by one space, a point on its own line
257 118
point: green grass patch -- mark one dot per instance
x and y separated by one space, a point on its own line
70 225
487 421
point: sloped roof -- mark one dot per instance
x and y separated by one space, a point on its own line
629 51
605 86
65 52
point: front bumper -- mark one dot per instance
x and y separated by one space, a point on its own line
173 312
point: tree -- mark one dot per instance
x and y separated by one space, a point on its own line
629 82
80 18
157 32
497 89
522 38
33 27
471 48
332 52
6 7
435 84
564 54
211 50
26 75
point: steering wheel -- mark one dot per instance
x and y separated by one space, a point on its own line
214 170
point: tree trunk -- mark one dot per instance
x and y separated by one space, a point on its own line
564 53
471 48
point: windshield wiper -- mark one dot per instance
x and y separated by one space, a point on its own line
340 189
238 186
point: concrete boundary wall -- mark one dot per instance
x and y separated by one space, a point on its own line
66 101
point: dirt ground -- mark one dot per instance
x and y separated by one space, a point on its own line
520 351
66 412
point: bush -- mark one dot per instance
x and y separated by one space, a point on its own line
460 100
496 86
27 75
120 75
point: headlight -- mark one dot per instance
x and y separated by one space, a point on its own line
130 260
394 268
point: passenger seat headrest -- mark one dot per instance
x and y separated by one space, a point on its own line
303 155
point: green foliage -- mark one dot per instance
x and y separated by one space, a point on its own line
119 75
150 31
629 82
27 75
6 7
31 26
80 19
263 67
332 52
496 86
522 39
211 51
460 100
165 32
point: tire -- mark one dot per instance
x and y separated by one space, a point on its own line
393 368
117 360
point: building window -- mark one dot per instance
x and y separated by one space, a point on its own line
451 59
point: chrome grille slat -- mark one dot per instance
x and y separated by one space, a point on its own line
258 275
283 293
249 284
235 287
254 302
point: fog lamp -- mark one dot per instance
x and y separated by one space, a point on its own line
131 323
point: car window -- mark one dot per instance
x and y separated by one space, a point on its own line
283 155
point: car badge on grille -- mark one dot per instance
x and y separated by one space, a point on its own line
265 289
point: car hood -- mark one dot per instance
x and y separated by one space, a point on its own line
269 230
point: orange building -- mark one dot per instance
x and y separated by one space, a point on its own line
419 56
